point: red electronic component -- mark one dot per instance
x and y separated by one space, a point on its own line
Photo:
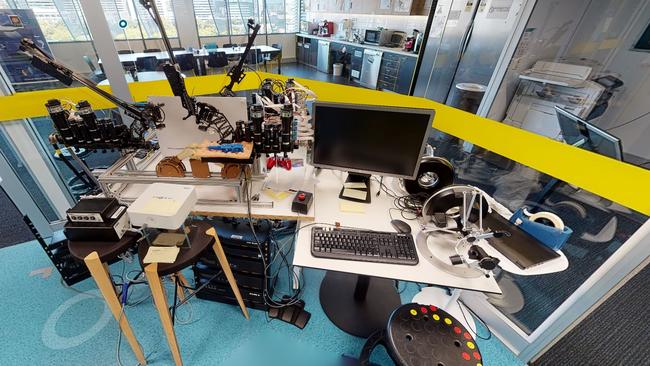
466 356
301 197
457 330
467 336
423 310
477 355
433 308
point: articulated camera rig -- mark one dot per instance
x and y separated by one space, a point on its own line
82 129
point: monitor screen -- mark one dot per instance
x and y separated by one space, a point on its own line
576 131
370 139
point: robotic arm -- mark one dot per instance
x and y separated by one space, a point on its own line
236 74
83 129
207 116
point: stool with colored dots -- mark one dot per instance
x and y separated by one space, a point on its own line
423 335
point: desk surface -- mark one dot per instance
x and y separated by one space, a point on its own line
162 55
376 217
142 76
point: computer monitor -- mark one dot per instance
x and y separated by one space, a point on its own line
583 134
364 139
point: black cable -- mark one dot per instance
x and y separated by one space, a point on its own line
460 306
628 122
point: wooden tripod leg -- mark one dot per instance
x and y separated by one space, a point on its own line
160 299
102 278
225 266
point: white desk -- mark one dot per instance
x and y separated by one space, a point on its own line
376 217
129 58
142 76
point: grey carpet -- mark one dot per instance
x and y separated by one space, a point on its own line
12 228
616 333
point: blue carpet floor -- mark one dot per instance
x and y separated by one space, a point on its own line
45 323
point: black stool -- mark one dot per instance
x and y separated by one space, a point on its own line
419 335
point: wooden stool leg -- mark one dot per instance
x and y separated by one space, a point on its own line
160 299
223 261
102 278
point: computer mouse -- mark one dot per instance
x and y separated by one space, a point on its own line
401 226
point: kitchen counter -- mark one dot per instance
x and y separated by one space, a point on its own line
395 50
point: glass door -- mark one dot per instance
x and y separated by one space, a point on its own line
580 57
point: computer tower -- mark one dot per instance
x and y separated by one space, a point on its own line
245 259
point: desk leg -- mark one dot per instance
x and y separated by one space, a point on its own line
280 64
223 261
100 274
159 298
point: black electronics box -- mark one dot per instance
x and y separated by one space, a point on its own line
93 210
96 219
302 202
245 259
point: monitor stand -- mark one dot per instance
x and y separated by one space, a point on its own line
358 305
361 179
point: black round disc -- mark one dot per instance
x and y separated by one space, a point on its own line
434 174
423 335
359 318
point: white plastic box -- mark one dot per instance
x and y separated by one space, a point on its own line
163 206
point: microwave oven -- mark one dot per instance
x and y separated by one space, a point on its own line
379 37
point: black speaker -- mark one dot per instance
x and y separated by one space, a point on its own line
434 174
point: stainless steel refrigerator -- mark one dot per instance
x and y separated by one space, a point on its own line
463 46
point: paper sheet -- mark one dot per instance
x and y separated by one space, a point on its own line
161 255
355 193
360 185
354 207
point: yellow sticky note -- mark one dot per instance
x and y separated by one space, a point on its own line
161 255
355 193
354 207
162 206
276 195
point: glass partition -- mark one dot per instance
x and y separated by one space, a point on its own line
599 227
587 59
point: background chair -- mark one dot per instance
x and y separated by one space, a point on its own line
185 61
229 45
255 57
211 46
178 48
96 75
147 63
217 60
274 56
151 50
124 52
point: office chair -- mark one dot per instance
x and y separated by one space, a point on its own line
147 63
185 61
254 57
125 52
275 55
178 49
243 44
217 60
95 74
211 46
151 50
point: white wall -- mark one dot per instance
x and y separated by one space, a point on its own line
404 23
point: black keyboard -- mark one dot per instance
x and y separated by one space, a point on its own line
362 245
